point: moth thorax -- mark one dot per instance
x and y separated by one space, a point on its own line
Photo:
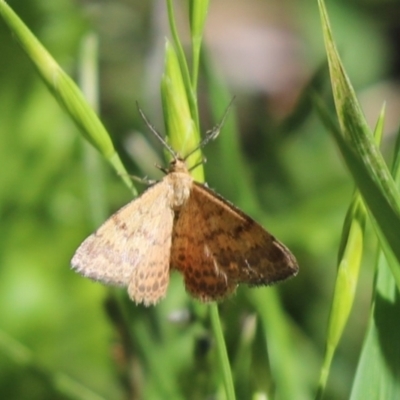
181 184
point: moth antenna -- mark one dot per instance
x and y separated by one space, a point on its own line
165 170
211 134
202 161
156 134
144 181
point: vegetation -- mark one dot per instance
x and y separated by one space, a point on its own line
329 333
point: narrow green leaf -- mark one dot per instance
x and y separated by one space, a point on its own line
383 326
379 365
352 121
385 218
190 90
198 13
222 353
350 256
65 91
361 154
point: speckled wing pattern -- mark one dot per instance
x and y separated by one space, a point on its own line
216 246
132 248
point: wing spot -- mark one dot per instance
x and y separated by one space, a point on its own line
211 288
221 287
206 273
163 281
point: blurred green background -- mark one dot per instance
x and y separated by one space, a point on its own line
54 327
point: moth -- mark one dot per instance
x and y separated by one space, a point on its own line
179 224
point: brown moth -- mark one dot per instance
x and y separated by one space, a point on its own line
181 224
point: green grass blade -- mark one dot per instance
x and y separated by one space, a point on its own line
352 121
190 90
386 220
350 255
361 154
222 353
65 91
376 371
379 365
198 13
346 282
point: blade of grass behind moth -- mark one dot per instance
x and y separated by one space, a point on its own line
385 218
65 91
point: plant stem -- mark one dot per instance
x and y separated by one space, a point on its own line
222 353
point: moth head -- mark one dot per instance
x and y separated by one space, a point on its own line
178 164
